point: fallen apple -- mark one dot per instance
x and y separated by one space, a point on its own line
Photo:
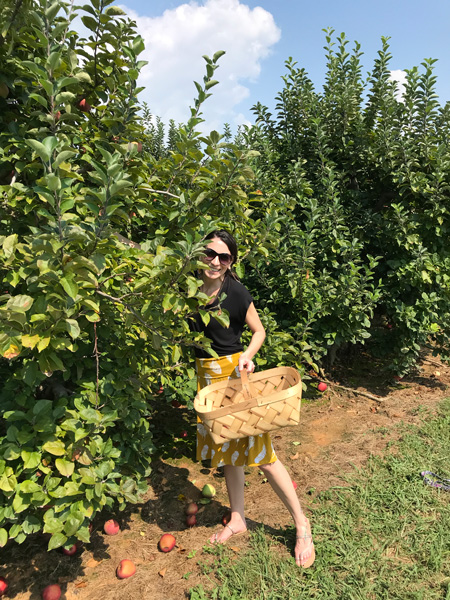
51 592
208 491
126 569
70 551
167 542
191 520
191 509
226 518
322 386
111 527
4 90
3 586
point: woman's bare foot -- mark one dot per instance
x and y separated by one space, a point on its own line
304 552
234 527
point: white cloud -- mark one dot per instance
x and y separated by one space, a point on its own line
175 43
399 77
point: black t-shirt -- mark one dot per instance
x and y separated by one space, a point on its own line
225 340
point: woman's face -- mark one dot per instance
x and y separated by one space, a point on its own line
216 269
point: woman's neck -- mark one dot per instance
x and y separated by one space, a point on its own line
211 288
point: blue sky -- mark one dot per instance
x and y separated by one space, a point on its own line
258 38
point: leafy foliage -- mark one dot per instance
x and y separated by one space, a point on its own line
365 176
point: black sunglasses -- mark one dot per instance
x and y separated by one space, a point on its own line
224 258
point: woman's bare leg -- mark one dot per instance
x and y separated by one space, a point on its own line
235 478
281 483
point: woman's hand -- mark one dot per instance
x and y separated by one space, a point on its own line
246 363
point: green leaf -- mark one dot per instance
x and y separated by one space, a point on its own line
20 303
42 406
56 541
62 157
3 537
56 447
50 143
73 328
114 11
210 84
39 99
29 487
30 459
217 55
40 149
9 245
53 182
65 467
72 524
53 525
70 287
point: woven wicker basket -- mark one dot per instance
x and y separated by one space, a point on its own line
236 408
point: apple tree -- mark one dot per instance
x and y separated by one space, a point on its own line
91 323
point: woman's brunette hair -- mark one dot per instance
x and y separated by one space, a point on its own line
229 240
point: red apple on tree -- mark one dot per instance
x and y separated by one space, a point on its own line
167 542
322 386
84 105
126 569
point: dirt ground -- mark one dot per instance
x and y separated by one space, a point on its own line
338 430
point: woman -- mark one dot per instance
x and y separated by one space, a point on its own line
218 279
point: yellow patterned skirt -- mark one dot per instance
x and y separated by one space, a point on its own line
251 451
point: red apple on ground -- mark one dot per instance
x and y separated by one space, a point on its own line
111 527
126 569
51 592
191 520
167 542
226 518
70 551
322 386
84 105
294 484
4 90
191 509
3 586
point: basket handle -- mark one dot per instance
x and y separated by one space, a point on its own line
247 388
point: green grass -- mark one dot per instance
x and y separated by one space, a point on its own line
383 535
